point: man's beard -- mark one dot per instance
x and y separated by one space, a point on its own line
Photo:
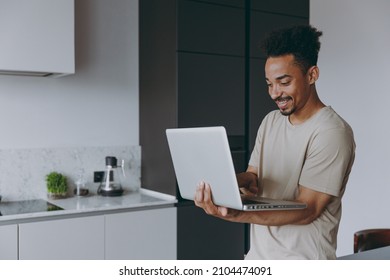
288 112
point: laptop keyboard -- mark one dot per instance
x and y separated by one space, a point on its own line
250 201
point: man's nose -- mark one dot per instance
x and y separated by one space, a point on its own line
275 92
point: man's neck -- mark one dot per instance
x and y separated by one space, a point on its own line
312 106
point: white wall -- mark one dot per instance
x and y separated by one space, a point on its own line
98 106
354 79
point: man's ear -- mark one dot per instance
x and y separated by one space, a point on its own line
313 74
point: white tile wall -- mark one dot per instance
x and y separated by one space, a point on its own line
23 171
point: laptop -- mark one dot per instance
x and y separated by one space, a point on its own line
203 154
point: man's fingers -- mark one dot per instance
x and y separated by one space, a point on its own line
199 194
203 199
207 193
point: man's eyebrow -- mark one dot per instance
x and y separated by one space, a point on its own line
283 76
280 77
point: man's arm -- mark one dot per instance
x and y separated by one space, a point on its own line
316 203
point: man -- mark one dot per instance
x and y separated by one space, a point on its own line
304 152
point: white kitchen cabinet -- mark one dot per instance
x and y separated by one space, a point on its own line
9 242
37 37
73 238
141 235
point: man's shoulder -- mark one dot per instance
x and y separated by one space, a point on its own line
332 128
329 119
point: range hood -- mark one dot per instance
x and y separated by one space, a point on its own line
37 38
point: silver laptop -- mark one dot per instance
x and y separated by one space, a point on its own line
203 154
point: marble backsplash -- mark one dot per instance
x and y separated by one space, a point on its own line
23 171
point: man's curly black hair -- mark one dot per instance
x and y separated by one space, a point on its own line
302 41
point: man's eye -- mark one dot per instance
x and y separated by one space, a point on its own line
285 83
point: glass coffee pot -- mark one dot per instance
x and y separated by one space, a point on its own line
114 175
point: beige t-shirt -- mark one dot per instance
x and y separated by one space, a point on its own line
317 154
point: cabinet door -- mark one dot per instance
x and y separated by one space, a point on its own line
211 91
37 36
141 235
210 28
9 242
66 239
234 3
203 237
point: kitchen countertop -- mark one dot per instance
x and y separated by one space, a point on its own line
95 204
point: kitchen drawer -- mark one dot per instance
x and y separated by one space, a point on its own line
65 239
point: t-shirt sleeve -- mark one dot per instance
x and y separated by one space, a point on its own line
328 162
254 160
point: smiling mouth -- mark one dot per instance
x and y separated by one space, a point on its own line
282 101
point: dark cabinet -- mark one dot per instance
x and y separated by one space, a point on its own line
211 69
297 8
197 241
211 91
209 28
233 3
200 65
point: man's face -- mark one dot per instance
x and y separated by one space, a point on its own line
288 86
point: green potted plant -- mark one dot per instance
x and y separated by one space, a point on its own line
57 186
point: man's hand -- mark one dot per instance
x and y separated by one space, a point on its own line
247 182
203 199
